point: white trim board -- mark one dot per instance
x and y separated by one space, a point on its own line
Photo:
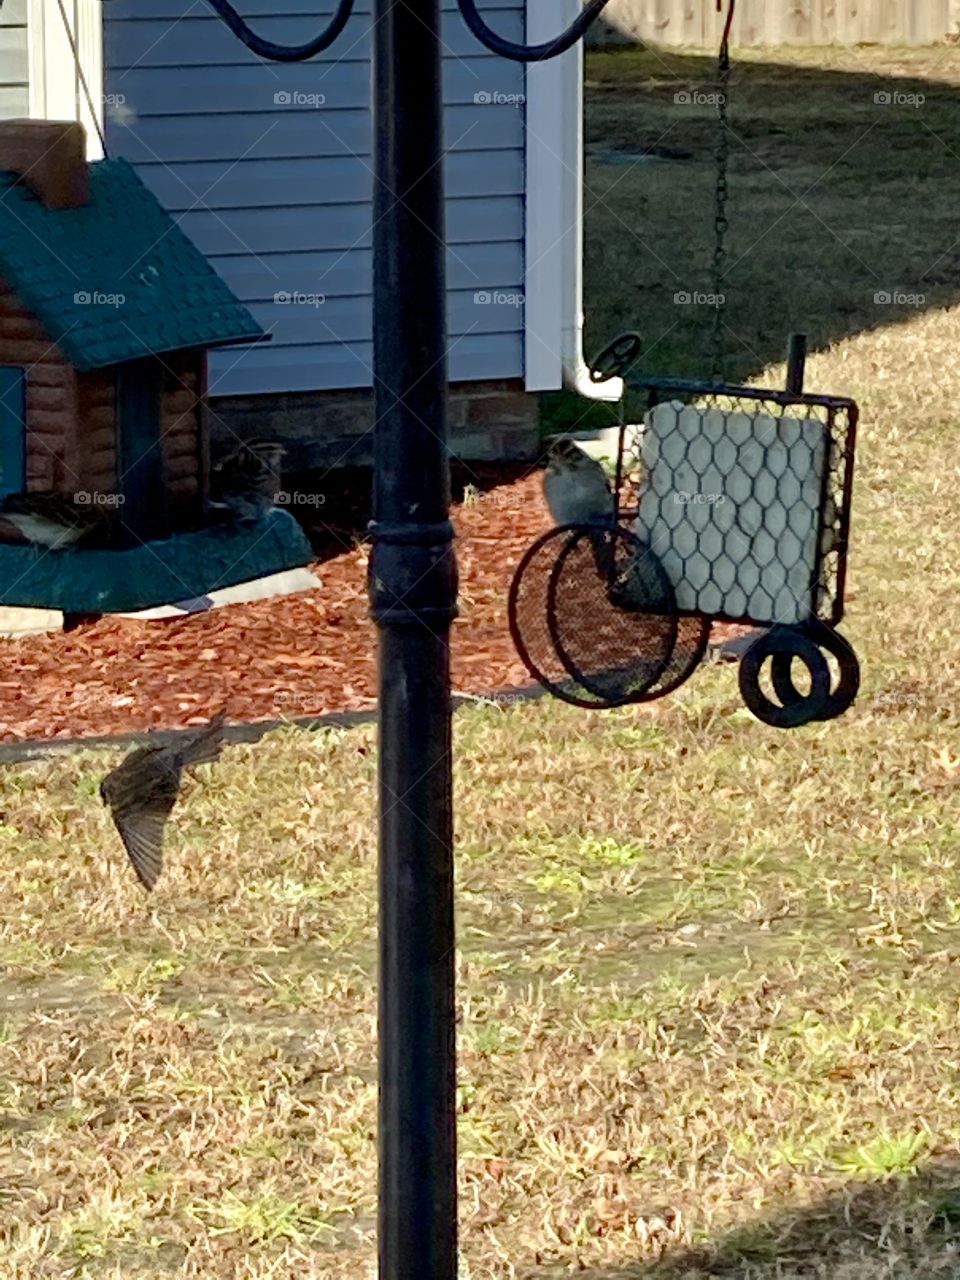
56 92
553 286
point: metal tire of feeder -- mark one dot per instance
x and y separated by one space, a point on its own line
693 636
787 643
529 629
672 647
848 684
593 616
611 613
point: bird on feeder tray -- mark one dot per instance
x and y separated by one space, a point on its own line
575 485
577 491
54 521
247 481
143 789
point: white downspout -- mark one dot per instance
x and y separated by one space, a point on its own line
554 214
55 92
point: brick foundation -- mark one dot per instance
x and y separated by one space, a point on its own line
488 422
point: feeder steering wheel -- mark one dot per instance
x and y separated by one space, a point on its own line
616 357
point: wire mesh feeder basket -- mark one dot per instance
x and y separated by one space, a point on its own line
741 514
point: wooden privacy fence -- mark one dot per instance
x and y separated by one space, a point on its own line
765 22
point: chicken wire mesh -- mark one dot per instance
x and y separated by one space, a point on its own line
744 498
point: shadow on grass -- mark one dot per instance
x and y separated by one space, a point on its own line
844 183
904 1229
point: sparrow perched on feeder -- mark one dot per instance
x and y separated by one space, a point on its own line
52 520
575 485
577 491
143 789
247 481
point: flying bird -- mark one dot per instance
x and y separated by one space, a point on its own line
143 789
52 520
247 481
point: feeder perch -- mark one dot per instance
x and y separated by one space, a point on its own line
107 311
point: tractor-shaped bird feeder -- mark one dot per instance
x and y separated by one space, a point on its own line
730 504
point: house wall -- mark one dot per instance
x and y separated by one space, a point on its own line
14 93
268 167
494 420
51 398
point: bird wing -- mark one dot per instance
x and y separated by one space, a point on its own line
142 835
143 789
141 793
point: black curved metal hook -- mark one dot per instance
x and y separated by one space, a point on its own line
727 27
282 52
528 52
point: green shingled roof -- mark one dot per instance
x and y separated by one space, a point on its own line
70 267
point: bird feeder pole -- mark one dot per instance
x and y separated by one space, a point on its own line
413 601
413 594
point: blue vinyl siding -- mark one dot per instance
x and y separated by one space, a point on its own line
14 96
268 167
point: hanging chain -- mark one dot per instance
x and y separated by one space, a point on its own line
720 219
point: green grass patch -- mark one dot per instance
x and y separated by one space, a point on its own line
707 972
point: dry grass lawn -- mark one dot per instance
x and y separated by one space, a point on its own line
709 972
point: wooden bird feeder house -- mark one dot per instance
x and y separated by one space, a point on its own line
107 312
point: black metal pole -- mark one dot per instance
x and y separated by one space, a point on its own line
796 363
413 600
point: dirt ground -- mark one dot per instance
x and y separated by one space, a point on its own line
291 656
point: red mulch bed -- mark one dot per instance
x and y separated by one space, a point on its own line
295 655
